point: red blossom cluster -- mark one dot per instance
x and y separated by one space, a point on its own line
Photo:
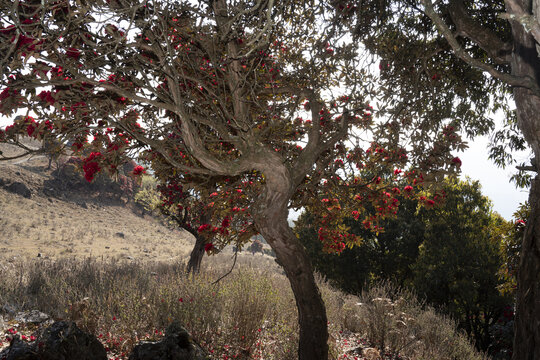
139 170
91 165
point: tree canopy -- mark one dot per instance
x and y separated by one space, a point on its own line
249 116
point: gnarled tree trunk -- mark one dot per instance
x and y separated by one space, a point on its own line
271 221
313 343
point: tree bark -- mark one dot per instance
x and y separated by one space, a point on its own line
270 219
196 256
313 342
527 321
526 63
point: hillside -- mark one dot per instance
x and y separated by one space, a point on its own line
64 222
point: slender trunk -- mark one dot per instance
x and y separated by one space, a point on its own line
196 256
313 342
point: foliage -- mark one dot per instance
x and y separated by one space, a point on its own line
459 258
511 249
449 254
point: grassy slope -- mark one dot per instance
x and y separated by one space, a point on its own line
77 224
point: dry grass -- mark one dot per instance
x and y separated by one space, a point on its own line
72 226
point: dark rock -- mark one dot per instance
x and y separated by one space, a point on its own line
19 350
9 309
19 189
64 341
61 341
120 235
83 205
176 345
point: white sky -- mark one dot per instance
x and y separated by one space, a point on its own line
495 181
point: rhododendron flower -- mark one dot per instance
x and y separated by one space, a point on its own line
73 53
226 222
408 188
47 97
208 247
456 161
91 166
139 170
203 227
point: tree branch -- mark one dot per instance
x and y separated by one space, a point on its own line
498 50
524 82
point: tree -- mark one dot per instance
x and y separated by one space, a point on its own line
437 55
448 254
459 258
218 96
181 209
384 256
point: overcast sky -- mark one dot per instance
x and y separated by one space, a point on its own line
495 181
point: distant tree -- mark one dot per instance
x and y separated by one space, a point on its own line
256 246
459 259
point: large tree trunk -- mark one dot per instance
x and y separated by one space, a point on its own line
270 219
526 63
313 343
527 322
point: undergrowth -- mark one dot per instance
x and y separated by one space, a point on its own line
249 314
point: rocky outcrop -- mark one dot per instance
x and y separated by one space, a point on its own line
61 341
176 345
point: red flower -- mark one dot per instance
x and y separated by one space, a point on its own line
408 188
139 170
47 97
208 247
456 161
91 166
226 222
203 227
